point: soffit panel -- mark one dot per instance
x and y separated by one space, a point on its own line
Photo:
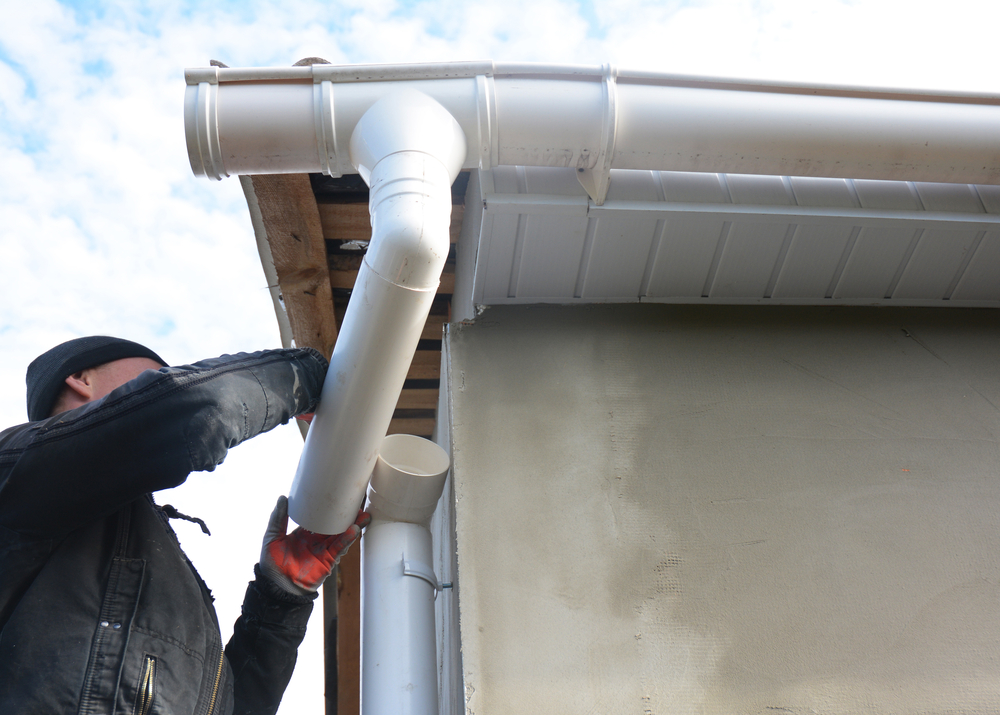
980 281
685 237
990 196
682 264
619 255
831 193
550 256
814 257
887 195
760 190
873 264
748 259
637 186
935 262
496 257
690 188
949 197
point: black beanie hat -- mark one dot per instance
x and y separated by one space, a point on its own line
47 373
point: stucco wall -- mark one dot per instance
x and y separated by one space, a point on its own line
666 509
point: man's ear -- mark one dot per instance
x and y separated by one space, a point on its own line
79 389
81 384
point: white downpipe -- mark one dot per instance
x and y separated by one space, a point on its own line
409 150
399 659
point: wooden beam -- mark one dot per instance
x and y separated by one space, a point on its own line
295 235
328 597
434 327
351 222
346 262
346 279
457 216
417 399
426 365
345 222
420 426
349 633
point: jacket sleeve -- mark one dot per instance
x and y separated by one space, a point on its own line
149 434
263 649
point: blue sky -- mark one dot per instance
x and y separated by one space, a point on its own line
103 229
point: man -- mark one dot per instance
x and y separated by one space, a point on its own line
100 610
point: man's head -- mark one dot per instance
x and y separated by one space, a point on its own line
83 370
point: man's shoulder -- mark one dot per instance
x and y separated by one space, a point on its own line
14 439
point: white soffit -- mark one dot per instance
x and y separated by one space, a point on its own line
678 237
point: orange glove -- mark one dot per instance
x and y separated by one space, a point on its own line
300 562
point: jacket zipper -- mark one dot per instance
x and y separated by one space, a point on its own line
145 700
218 678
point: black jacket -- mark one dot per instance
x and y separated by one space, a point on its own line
100 610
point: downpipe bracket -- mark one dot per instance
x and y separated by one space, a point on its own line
424 572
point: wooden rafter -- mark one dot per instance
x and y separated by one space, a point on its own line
295 235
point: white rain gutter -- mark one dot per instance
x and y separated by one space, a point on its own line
298 119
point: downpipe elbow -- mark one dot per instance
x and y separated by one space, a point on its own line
410 204
409 149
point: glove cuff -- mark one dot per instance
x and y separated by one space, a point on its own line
281 581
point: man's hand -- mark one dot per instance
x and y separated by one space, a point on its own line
299 562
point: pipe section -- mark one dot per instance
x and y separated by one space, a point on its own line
409 150
399 659
595 120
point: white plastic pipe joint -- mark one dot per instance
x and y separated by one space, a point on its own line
399 671
409 149
408 478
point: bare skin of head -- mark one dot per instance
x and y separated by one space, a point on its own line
95 382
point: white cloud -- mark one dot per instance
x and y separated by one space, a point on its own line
105 230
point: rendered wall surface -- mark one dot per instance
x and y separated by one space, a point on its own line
672 509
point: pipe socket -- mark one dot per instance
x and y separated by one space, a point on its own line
410 204
407 120
408 478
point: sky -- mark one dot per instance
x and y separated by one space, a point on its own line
104 229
